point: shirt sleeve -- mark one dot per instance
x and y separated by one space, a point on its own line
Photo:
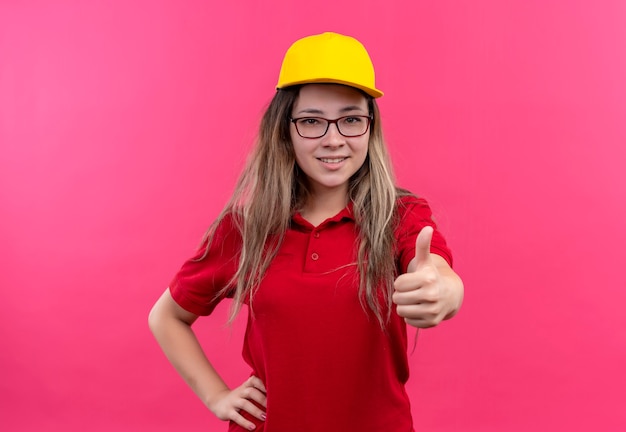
415 214
199 285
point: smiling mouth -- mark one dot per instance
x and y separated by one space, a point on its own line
333 160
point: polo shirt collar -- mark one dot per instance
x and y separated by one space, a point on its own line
346 213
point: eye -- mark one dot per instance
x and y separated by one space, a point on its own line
309 121
353 120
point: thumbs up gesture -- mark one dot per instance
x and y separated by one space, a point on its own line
430 291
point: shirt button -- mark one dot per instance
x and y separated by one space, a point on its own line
316 235
314 256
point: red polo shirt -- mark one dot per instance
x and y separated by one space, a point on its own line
327 365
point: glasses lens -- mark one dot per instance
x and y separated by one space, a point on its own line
311 127
316 127
353 126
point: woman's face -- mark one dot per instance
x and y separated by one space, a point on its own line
329 161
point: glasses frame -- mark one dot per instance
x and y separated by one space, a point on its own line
336 121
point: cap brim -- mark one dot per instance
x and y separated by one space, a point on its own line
373 92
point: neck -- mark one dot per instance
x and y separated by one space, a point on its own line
324 204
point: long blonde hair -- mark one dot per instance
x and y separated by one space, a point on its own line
272 187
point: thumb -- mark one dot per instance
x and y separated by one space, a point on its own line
422 246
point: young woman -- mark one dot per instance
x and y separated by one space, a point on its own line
332 259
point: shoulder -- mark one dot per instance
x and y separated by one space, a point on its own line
227 224
413 214
224 233
408 204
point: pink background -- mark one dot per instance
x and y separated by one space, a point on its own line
123 125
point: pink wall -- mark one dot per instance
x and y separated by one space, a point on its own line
122 127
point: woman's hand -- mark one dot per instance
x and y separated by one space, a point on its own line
228 404
430 291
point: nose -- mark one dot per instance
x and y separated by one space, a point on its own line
333 138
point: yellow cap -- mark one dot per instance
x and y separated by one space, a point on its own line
328 58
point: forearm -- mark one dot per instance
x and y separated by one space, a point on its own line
183 350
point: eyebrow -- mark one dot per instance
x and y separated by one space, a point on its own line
345 109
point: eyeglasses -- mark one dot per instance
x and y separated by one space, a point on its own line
316 127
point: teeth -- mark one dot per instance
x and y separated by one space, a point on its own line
332 160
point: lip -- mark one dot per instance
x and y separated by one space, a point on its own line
333 163
332 160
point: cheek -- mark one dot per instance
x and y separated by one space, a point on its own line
296 142
363 147
362 153
300 151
